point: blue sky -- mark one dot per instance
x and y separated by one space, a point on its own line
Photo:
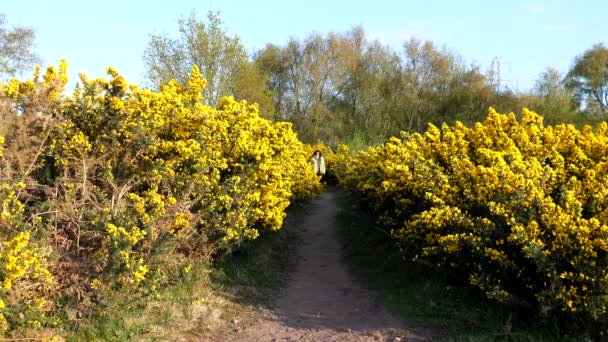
525 36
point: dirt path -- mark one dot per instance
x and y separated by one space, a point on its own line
322 302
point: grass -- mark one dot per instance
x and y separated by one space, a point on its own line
113 322
262 265
124 317
423 297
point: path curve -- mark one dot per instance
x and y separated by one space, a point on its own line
322 302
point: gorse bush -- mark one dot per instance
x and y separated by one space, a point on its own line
119 187
516 207
23 263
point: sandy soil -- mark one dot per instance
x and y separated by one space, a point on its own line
322 302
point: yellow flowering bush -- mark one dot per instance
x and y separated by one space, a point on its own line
167 169
518 207
25 280
128 184
340 160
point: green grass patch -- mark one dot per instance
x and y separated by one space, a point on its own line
262 265
132 317
256 264
422 296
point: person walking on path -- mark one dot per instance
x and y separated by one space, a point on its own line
318 163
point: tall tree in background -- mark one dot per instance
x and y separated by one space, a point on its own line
375 93
310 79
16 46
555 100
269 62
222 59
589 78
470 93
439 87
341 87
426 75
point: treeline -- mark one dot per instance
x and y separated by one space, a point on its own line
342 85
345 87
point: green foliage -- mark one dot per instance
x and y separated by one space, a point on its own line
310 81
222 59
16 53
331 85
261 264
422 295
341 86
589 78
554 99
516 208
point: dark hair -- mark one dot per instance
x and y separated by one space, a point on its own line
315 152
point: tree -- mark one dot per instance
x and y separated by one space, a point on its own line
426 76
470 94
342 86
269 63
16 45
251 86
589 78
222 60
310 79
556 103
375 94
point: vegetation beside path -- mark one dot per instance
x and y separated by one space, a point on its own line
422 295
